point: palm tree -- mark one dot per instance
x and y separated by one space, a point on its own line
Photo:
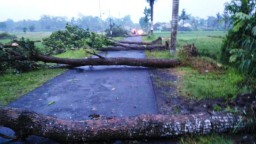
175 17
151 3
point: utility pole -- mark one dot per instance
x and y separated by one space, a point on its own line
101 17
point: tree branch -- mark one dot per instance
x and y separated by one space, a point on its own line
95 54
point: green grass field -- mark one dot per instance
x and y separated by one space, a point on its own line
208 43
34 36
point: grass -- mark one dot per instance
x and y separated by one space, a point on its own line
196 85
80 53
209 85
118 38
160 54
211 139
187 35
207 46
34 36
210 47
13 86
5 41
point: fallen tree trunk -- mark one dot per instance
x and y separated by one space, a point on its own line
156 63
26 123
121 48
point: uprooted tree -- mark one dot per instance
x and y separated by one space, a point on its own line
22 55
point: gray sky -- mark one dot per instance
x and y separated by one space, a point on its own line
33 9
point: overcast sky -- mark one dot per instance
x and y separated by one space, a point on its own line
34 9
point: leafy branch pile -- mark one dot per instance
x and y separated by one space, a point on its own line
73 37
116 31
18 56
239 48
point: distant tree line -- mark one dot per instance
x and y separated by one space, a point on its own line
187 22
53 23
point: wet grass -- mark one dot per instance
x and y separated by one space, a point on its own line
160 54
80 53
212 84
34 36
196 85
208 43
211 139
209 85
13 86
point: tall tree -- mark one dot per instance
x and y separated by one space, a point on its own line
151 3
219 19
226 19
175 17
144 21
24 29
183 16
31 28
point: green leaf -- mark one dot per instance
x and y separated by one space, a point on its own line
51 102
233 58
254 31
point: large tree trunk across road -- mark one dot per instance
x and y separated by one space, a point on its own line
26 123
156 63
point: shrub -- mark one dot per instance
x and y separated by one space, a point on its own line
117 31
7 36
239 46
73 37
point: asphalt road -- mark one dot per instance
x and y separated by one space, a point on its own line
109 91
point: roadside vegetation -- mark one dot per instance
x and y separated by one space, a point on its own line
224 66
211 139
202 77
20 78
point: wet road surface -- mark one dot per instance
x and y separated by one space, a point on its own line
110 91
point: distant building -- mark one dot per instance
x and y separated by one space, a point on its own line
162 26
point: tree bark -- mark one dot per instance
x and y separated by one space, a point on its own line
156 63
26 123
175 15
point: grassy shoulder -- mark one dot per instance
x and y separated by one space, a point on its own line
196 83
211 139
208 85
160 54
200 80
13 86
